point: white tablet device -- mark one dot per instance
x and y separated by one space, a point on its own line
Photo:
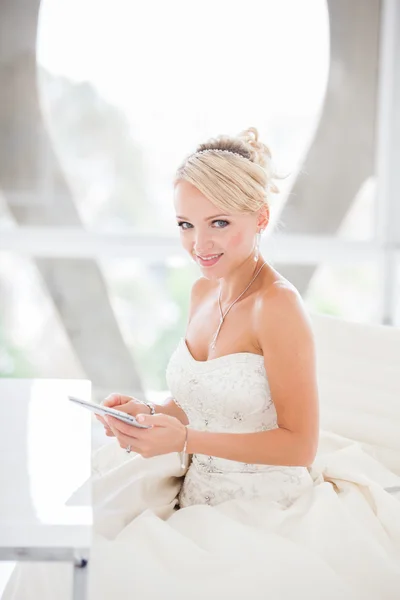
106 410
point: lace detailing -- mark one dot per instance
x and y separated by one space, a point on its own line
228 393
209 464
279 484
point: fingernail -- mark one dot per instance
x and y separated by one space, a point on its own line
140 418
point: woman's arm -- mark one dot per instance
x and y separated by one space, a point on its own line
171 408
286 338
273 447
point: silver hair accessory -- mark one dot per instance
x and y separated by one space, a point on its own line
209 150
128 449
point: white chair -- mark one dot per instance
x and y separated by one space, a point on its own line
358 371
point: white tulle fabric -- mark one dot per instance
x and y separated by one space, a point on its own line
223 529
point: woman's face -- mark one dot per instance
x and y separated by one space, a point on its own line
205 231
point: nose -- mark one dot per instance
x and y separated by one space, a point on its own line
203 246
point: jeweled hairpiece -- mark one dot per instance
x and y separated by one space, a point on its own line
208 150
221 150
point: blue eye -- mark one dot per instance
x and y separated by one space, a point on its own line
182 223
226 223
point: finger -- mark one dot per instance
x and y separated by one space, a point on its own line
107 430
113 400
125 428
101 419
133 407
125 441
159 419
111 430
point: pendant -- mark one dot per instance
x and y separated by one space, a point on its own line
212 345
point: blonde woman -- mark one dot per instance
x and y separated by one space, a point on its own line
217 498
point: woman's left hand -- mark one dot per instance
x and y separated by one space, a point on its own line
166 435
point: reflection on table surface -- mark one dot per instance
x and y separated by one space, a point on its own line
45 449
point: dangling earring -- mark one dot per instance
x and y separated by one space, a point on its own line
258 237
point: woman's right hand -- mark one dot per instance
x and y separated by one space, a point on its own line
128 404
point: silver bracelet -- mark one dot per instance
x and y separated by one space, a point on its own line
183 453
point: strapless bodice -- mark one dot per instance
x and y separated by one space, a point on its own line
226 394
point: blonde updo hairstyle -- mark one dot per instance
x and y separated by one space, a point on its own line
238 183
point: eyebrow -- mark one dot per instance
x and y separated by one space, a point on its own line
207 219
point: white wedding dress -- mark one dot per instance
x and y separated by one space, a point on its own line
224 529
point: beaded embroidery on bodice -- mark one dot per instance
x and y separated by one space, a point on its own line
228 394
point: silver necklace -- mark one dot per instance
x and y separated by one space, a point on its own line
213 342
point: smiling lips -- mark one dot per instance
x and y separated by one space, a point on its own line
210 261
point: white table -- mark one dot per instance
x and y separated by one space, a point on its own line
45 450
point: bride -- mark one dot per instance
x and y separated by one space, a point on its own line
221 497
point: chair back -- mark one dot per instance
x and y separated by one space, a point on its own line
358 373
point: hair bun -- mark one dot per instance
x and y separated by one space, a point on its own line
247 144
260 153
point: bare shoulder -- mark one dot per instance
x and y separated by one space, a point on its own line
286 339
279 296
281 312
